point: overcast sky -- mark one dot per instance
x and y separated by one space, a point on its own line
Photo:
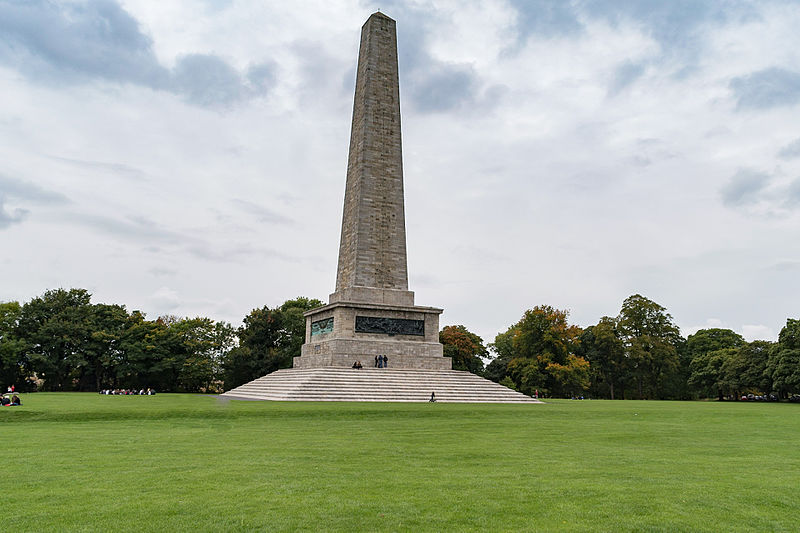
189 157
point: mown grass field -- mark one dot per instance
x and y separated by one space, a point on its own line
85 462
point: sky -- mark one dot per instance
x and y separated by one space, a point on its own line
189 157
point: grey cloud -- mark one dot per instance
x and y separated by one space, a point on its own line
26 191
791 150
235 252
119 169
94 39
136 228
207 80
10 217
546 18
261 77
161 271
786 266
443 87
744 187
792 192
625 75
263 214
677 24
98 39
771 87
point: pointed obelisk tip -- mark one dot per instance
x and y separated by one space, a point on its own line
378 14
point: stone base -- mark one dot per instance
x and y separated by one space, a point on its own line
395 360
334 338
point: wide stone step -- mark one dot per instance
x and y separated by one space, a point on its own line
378 385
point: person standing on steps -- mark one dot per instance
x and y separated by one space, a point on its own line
376 361
385 361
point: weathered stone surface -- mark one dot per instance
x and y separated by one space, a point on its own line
372 250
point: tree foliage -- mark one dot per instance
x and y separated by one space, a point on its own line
783 364
538 353
651 340
268 340
465 348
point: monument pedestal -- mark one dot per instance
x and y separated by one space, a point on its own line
343 332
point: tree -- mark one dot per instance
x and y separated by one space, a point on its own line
542 338
150 354
706 372
745 369
197 337
103 352
55 328
651 341
602 346
783 364
707 351
570 378
13 363
268 340
465 348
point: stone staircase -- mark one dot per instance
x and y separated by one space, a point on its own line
333 384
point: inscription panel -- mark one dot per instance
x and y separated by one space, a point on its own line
390 326
322 326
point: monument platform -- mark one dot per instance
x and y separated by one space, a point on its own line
376 385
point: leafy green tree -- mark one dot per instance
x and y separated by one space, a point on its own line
535 352
197 339
602 346
570 378
146 348
465 348
97 368
651 341
783 364
56 330
708 340
706 372
707 350
744 370
13 364
497 369
268 340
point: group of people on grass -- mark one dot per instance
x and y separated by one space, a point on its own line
128 392
10 400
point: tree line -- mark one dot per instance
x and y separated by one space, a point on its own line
62 341
640 354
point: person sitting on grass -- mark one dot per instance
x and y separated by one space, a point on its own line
4 401
15 400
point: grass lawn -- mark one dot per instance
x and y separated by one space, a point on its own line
173 462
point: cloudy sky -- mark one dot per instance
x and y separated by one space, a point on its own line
189 157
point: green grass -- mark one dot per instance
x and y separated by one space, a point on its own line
75 462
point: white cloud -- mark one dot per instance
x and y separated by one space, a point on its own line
757 332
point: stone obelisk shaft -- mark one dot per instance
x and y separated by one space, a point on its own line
372 250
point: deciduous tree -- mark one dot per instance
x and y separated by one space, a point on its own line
465 348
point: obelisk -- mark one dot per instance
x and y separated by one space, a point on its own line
372 250
372 312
